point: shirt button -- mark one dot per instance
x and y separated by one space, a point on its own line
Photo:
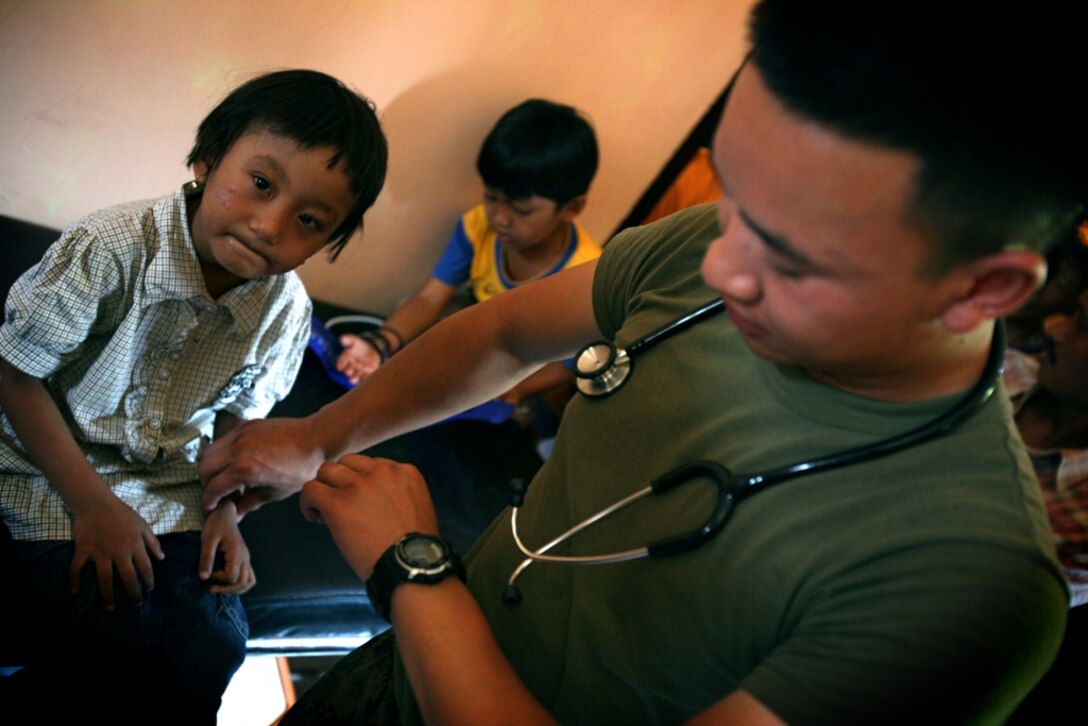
164 375
155 424
175 356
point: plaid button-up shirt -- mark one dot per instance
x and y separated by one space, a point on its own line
117 321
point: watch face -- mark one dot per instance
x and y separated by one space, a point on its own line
422 551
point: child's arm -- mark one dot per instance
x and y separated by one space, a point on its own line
550 376
221 534
409 320
106 531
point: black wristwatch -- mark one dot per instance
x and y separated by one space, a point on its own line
415 557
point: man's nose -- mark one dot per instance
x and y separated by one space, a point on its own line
730 266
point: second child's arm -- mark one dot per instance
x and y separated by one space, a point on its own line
409 320
550 377
106 531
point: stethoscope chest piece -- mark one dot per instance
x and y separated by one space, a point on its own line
601 368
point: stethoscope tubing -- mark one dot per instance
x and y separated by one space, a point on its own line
978 394
709 310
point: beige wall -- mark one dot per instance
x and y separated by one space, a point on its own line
99 100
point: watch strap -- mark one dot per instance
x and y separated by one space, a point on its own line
388 573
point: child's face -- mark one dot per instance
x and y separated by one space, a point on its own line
528 222
268 205
1065 371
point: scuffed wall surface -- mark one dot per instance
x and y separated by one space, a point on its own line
99 100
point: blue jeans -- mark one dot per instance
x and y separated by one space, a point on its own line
166 660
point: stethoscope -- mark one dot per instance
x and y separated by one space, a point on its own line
732 488
602 368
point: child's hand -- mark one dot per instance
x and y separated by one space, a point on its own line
358 359
221 534
514 396
114 537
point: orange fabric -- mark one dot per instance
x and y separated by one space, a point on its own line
694 185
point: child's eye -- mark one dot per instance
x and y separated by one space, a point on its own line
310 221
261 183
521 211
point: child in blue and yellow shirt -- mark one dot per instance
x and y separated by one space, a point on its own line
536 165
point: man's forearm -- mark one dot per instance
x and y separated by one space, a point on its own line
462 361
466 359
448 650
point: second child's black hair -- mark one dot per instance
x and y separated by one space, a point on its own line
539 148
314 109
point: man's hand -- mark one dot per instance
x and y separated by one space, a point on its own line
368 504
113 537
263 461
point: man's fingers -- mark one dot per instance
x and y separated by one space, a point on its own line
213 468
253 498
217 488
347 469
311 499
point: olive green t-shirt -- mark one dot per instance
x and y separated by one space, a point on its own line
921 587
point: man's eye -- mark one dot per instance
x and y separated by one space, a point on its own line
788 273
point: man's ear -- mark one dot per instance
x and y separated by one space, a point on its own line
992 287
573 208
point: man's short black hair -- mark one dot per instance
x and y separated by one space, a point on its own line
984 97
539 148
314 109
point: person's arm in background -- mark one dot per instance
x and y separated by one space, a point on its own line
466 359
360 358
551 376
